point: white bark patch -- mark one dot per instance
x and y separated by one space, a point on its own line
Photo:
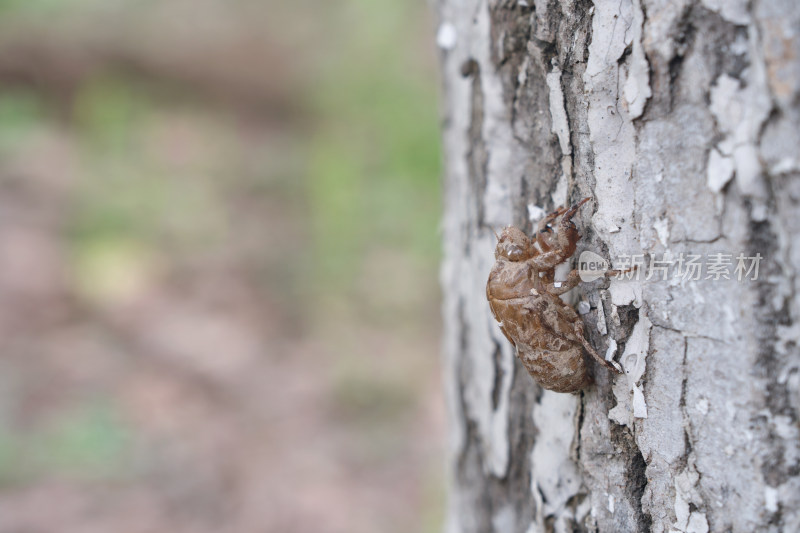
639 405
625 292
535 213
629 396
702 406
483 335
559 196
720 170
662 18
612 350
602 327
662 230
785 165
554 473
697 523
615 26
446 36
472 44
497 132
637 86
497 193
740 112
454 268
503 519
686 493
558 112
770 499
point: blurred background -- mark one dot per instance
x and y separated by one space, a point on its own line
218 253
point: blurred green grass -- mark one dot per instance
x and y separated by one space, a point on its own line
372 151
88 442
335 215
374 158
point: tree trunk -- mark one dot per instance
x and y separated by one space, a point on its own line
681 120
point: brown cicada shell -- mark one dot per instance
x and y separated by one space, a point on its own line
524 298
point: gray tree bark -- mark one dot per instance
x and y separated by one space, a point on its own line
681 118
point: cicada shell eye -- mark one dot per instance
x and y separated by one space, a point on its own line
513 244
